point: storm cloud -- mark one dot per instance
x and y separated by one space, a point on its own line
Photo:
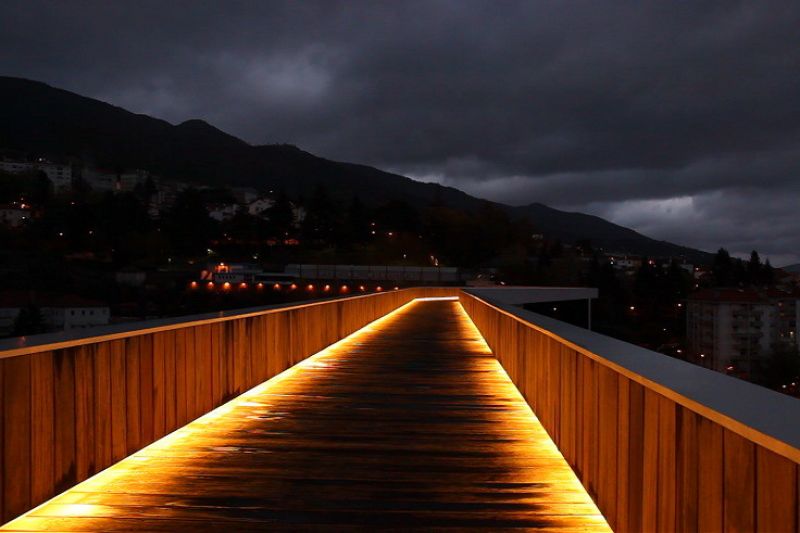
679 119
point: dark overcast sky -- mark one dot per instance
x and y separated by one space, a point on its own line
679 119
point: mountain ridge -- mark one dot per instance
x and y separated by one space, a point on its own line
43 119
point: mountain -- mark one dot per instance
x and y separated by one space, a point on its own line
571 227
794 268
37 118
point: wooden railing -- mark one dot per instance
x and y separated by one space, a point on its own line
72 406
661 445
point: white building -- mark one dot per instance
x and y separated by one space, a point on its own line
223 211
16 167
733 330
107 180
100 180
76 316
59 174
260 206
59 311
624 262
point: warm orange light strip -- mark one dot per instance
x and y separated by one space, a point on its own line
540 441
198 425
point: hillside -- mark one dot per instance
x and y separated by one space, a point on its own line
37 118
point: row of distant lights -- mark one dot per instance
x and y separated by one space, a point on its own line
227 286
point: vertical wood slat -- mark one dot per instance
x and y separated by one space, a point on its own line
84 412
119 421
17 435
667 470
636 416
217 376
3 517
623 454
146 390
43 414
181 405
132 391
776 492
65 424
101 367
159 400
170 382
607 440
688 472
710 484
739 486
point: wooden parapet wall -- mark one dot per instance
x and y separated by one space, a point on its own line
654 458
70 408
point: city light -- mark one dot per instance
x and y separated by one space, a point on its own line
193 285
277 287
243 285
326 288
226 286
210 285
310 287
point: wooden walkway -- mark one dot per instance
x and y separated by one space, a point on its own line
409 423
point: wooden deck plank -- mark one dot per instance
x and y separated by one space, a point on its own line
410 423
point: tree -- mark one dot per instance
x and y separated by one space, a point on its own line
356 227
782 365
767 273
321 222
754 268
281 215
189 226
722 268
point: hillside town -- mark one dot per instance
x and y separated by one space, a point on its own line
236 246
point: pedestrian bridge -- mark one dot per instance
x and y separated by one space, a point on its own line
385 411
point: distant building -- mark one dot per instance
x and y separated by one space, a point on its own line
733 330
100 180
58 311
624 262
375 273
16 167
221 212
231 272
260 206
108 180
58 173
